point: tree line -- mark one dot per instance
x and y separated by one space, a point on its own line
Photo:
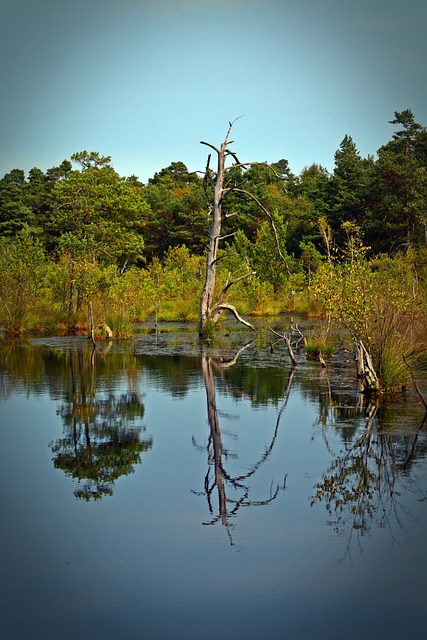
80 232
85 199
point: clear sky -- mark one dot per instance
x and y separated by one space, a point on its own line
145 80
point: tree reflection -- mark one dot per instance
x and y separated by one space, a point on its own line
362 484
102 438
217 477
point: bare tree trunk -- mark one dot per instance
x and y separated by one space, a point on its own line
211 310
206 301
91 326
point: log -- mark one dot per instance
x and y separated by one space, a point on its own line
106 330
365 369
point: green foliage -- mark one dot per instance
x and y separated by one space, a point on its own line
209 330
15 210
178 211
356 236
22 268
379 301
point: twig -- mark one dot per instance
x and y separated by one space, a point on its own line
417 389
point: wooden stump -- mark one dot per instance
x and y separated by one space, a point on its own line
365 369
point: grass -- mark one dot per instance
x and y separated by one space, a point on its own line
317 345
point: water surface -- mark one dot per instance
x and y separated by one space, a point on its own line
156 490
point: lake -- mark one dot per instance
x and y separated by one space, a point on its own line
156 489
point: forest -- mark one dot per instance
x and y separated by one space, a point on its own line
347 246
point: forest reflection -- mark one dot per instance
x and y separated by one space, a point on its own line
373 447
102 430
360 487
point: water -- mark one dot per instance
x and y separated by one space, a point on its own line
151 490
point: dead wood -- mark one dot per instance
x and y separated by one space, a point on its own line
91 326
287 339
219 308
365 369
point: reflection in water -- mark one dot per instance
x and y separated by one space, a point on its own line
102 433
217 454
141 560
359 489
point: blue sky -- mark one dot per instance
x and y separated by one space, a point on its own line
145 80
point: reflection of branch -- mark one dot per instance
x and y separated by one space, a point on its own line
414 382
269 449
229 363
412 450
360 485
216 454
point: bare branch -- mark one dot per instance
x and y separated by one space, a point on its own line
287 340
273 226
228 235
297 330
232 154
208 144
226 255
244 165
228 307
230 284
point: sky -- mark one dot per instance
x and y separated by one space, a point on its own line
144 81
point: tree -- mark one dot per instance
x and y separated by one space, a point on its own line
96 216
412 135
212 305
396 216
15 209
22 268
178 203
350 187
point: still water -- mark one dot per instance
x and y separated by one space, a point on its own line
153 490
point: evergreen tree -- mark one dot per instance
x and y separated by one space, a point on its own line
15 208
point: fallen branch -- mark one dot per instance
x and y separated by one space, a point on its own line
228 307
297 330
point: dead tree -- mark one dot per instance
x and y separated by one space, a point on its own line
210 307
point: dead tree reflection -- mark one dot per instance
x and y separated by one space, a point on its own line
362 485
217 476
102 431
